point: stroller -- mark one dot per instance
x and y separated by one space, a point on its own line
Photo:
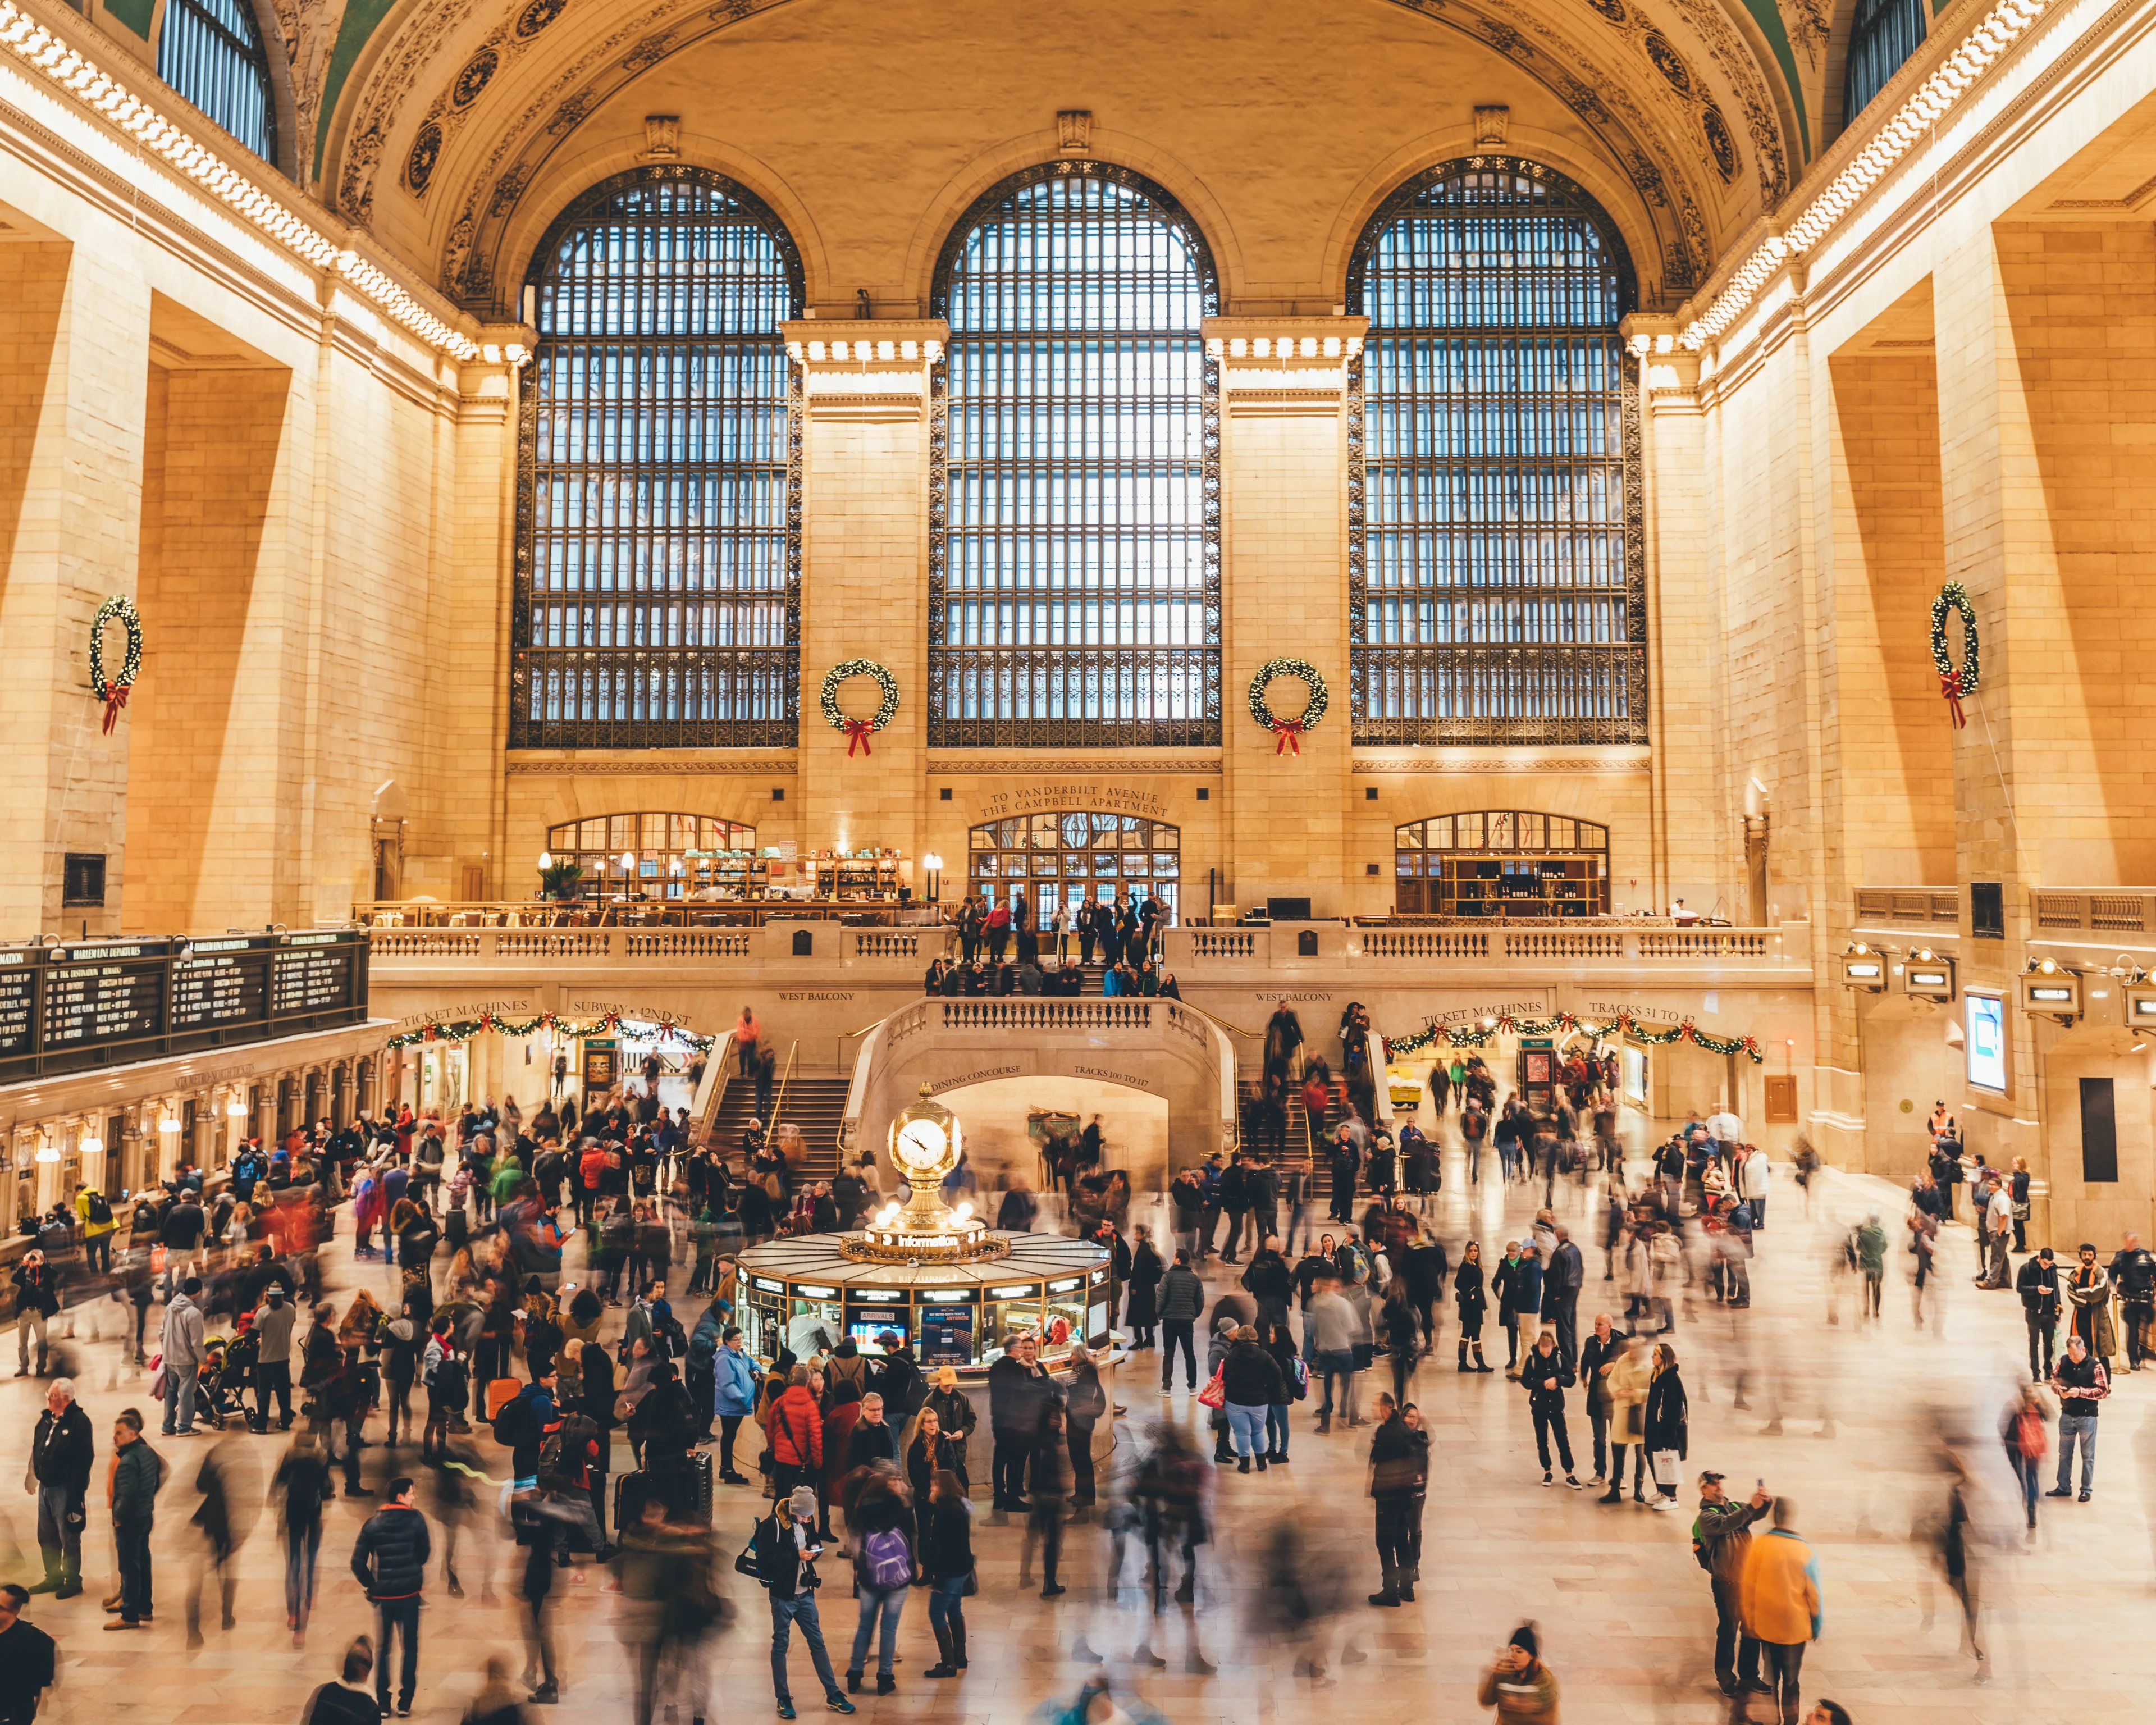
228 1367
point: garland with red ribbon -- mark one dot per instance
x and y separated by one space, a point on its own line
1476 1035
113 690
1287 733
1956 680
859 730
463 1029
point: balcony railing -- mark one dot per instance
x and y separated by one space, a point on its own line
2111 911
1909 906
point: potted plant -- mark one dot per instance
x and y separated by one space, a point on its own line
562 881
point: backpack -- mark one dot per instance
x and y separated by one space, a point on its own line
100 1211
513 1424
2029 1434
452 1383
886 1560
1302 1385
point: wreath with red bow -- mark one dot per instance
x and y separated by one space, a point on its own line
1955 681
113 690
859 730
1287 731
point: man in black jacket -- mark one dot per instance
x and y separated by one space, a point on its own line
2038 1284
1235 1201
1547 1378
2133 1274
1018 1385
1721 1538
785 1549
1270 1282
61 1451
390 1560
37 1298
1604 1348
1562 1282
1399 1474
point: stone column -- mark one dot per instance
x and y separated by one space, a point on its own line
72 375
1285 472
866 422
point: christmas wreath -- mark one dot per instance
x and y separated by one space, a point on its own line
859 730
1956 682
113 690
1286 731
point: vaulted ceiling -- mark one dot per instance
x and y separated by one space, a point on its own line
454 130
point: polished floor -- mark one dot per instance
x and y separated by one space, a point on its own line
1624 1609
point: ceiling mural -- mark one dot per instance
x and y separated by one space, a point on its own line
459 112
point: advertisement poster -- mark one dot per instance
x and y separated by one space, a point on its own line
1986 1037
946 1335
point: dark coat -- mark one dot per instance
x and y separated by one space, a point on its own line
62 1450
1668 1407
1146 1272
1468 1294
389 1559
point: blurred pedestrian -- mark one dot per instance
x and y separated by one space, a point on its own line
1720 1542
1519 1685
1049 1482
1952 1549
181 1342
30 1660
389 1560
946 1552
1781 1605
2022 1434
1400 1476
496 1702
303 1480
222 1521
62 1449
344 1700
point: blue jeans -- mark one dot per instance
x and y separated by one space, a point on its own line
947 1604
180 1399
1248 1422
1276 1429
1339 1364
300 1549
2072 1426
888 1603
800 1610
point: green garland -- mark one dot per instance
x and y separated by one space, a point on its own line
859 730
1478 1035
1286 731
463 1029
1956 682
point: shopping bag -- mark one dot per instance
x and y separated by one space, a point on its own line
1665 1467
1214 1394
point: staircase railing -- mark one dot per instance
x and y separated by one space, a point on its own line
786 1078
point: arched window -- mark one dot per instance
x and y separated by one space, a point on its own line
210 52
1075 530
658 587
673 856
1881 35
1497 592
1511 863
1067 857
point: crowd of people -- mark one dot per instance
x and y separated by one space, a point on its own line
511 1357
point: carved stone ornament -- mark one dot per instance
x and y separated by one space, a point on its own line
662 136
1490 127
1074 129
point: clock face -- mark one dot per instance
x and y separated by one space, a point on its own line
921 1144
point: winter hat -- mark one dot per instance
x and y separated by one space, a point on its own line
802 1503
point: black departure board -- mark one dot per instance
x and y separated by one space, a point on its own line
102 995
313 973
221 981
93 1004
20 970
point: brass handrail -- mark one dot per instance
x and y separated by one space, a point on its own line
778 1102
1255 1036
864 1030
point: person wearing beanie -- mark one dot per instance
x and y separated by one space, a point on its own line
786 1548
181 1343
1519 1685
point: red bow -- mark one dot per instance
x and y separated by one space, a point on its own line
1950 686
858 732
430 1033
1286 730
115 697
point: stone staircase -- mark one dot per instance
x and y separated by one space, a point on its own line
818 1106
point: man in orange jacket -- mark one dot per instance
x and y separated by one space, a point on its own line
1781 1604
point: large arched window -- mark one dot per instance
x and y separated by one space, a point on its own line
1075 531
1069 856
210 52
658 574
660 855
1512 863
1494 579
1881 35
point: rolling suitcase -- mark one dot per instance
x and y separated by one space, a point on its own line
499 1392
688 1493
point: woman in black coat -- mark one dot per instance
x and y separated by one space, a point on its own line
1468 1296
931 1452
947 1565
1145 1271
1668 1409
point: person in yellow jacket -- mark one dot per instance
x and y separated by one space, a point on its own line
98 1223
1781 1604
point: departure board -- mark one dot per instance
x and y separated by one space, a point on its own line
312 973
221 981
19 970
97 996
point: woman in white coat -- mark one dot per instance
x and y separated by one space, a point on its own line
1758 1177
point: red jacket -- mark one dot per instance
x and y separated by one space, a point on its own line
796 1428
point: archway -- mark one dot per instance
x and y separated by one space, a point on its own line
1062 856
1513 864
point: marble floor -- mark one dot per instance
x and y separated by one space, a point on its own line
1624 1611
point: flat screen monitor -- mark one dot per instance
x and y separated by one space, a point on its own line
1985 1034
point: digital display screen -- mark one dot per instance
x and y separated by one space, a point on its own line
118 995
865 1334
1985 1034
946 1335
